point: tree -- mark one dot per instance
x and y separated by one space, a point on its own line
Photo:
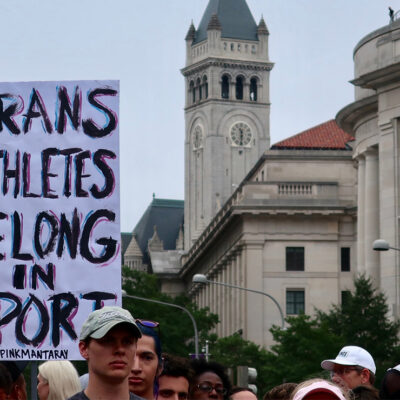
362 320
176 328
232 351
299 350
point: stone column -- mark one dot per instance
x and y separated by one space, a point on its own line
224 316
360 215
371 224
231 310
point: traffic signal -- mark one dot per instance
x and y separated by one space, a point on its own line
246 377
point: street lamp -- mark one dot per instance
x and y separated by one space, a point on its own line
196 335
382 245
200 278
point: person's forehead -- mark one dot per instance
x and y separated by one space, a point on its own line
209 376
146 344
244 395
341 366
321 396
178 383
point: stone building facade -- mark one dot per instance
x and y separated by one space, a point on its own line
295 220
373 120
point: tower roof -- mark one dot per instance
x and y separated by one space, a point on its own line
167 215
235 18
326 136
133 249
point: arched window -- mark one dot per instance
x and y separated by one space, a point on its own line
225 87
193 91
205 84
198 84
253 89
239 88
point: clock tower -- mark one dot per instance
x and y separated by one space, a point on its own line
226 107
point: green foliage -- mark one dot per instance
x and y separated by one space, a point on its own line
232 351
176 328
299 350
361 321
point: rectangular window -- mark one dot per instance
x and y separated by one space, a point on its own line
345 259
294 302
294 258
345 297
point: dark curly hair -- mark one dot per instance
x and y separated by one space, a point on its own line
201 366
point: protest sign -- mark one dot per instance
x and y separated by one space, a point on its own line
59 213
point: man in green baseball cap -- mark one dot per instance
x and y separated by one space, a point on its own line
108 343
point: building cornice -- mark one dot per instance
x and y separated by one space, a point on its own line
385 30
205 102
308 154
226 63
234 208
348 116
379 77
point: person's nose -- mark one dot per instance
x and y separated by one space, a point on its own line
119 347
213 394
136 364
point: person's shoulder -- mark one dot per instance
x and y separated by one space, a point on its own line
365 393
135 397
79 396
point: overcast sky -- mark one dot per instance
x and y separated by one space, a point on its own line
141 43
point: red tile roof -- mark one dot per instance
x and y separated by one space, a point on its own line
326 136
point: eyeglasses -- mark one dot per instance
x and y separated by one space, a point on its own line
148 323
207 387
345 370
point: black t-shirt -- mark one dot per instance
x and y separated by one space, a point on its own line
82 396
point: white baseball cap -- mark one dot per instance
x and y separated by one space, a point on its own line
351 355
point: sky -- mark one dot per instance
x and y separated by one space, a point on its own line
141 43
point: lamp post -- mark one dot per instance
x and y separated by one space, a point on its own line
200 278
196 335
382 245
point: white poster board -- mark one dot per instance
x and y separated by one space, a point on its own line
59 213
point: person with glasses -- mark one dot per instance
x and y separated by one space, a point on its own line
148 363
354 369
175 378
210 381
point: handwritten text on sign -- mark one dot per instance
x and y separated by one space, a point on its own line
59 213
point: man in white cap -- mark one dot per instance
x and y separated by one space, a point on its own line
354 369
108 343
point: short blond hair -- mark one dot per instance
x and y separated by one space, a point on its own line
62 377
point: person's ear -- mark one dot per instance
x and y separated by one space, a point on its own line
160 367
365 374
83 349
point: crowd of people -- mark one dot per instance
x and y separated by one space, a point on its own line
125 362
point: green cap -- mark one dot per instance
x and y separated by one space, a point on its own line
99 322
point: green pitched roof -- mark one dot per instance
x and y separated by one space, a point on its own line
235 19
167 215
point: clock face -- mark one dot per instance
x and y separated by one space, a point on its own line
197 137
241 134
